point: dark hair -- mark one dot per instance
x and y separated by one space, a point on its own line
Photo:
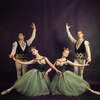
21 33
79 31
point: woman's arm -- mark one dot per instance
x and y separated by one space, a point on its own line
49 70
46 73
25 63
51 65
78 65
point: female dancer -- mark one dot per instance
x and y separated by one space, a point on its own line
68 83
33 82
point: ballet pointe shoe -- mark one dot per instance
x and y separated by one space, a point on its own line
5 92
96 92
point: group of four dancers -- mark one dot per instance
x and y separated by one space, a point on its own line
36 81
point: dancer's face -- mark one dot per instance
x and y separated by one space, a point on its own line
21 36
34 51
65 53
80 34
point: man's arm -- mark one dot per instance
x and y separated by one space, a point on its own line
73 40
29 41
88 52
14 47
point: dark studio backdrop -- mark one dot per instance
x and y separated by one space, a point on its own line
50 18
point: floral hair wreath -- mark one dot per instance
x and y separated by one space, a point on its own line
67 49
34 47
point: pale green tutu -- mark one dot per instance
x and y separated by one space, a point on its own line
68 84
33 83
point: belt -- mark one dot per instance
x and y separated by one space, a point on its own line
21 56
80 56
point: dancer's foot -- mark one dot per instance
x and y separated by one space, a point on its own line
5 92
96 92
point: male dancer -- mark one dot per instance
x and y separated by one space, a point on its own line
19 50
82 51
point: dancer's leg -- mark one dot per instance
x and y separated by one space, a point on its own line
7 91
18 69
95 92
24 67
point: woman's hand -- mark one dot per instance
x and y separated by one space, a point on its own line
45 74
59 72
86 64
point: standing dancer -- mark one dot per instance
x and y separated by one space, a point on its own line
19 50
82 49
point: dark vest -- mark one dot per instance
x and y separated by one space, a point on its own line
19 49
81 49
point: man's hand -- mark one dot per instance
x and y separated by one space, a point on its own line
88 59
67 27
11 56
33 26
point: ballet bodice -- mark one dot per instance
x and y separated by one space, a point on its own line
61 65
40 64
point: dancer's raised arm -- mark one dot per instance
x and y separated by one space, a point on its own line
73 40
29 41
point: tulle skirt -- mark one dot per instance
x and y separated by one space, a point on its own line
33 83
68 84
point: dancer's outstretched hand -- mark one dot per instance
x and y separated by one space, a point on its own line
67 27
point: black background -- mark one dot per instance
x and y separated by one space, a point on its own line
50 18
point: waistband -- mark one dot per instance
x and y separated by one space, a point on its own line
21 56
80 56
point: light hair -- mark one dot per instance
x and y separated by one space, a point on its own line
67 49
34 47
